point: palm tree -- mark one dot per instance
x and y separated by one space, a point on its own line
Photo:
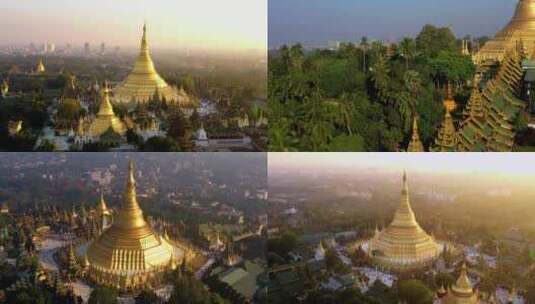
318 121
407 48
345 108
380 75
364 46
296 56
413 85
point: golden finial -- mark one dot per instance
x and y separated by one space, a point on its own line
131 178
144 37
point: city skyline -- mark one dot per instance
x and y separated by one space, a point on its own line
318 21
119 23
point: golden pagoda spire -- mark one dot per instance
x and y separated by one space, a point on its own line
40 67
144 64
463 283
144 45
446 140
130 215
449 101
462 291
4 87
106 109
415 145
404 216
102 209
474 108
106 117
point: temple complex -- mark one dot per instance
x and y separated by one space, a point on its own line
129 254
521 27
461 292
144 83
415 145
106 118
403 245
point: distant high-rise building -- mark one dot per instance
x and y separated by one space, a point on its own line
51 48
87 48
102 48
334 45
33 48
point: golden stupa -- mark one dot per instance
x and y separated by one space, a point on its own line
40 67
461 292
106 118
403 244
143 82
129 254
521 27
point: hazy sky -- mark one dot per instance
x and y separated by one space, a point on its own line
318 21
222 24
497 164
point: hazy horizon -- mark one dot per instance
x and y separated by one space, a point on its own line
319 21
171 24
502 165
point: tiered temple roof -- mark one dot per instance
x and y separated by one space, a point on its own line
446 140
403 244
474 107
415 145
494 130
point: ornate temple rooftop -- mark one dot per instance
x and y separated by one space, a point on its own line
490 122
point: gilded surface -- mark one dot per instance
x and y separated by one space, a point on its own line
144 82
106 118
521 27
403 244
461 292
129 252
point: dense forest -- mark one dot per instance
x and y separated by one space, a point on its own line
364 96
